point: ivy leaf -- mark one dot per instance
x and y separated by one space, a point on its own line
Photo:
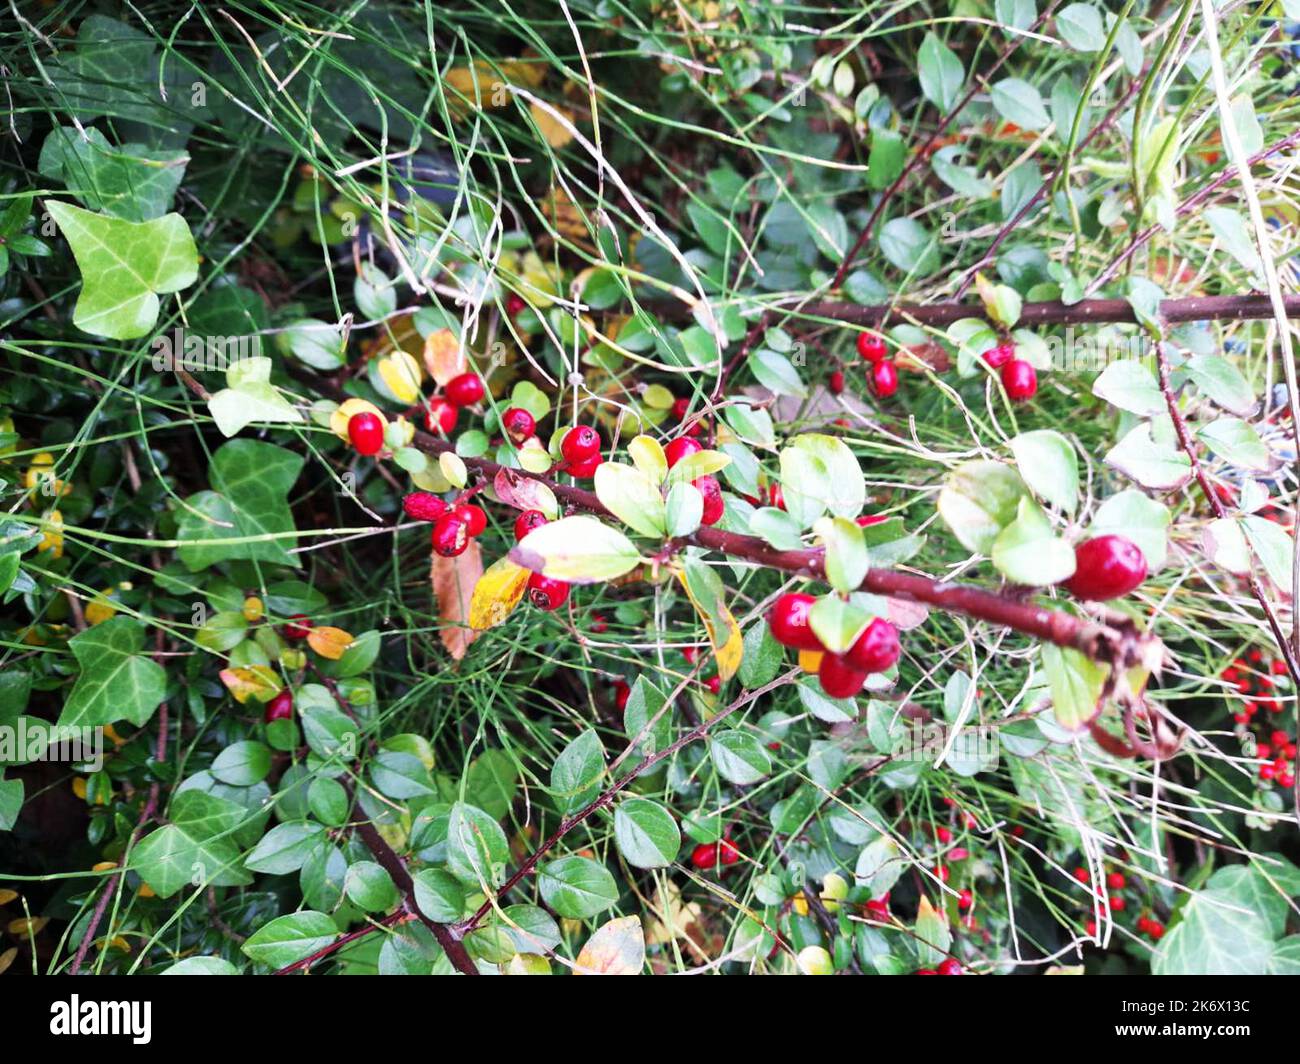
116 681
124 267
250 480
250 396
1218 934
194 848
131 182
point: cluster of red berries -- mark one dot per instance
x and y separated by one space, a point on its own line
1281 748
1116 903
454 525
948 966
707 485
841 675
711 854
1253 678
1018 376
883 375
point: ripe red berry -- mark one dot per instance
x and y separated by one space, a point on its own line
1116 903
1020 380
598 624
1279 738
518 424
1267 772
878 910
527 521
949 966
440 415
1155 929
1081 874
546 593
788 620
871 346
681 407
515 303
836 382
280 707
942 835
1106 567
1115 881
884 379
423 506
839 678
867 520
450 535
941 870
727 852
299 627
876 649
1286 779
679 448
965 899
622 692
705 855
366 432
997 357
580 443
714 684
466 389
714 506
473 516
587 469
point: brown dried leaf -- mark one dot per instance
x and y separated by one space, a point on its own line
453 582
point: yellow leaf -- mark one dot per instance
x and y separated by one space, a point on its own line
723 631
617 948
26 925
103 866
497 593
556 133
329 642
101 607
444 357
7 958
6 896
401 374
253 681
527 964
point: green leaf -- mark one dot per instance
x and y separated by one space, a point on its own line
909 246
1151 464
242 764
1222 382
438 895
837 622
195 848
579 550
880 865
201 966
124 267
933 936
285 848
847 560
1216 935
739 757
250 396
577 887
132 182
576 775
1075 683
115 681
1081 27
1143 520
776 527
776 373
1273 546
11 803
290 938
940 71
1029 552
683 510
477 850
1128 385
1019 102
1236 441
1049 466
761 658
978 500
633 497
369 887
643 706
646 833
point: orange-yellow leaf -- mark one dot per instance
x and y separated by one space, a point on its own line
444 357
497 593
617 948
329 642
6 896
26 925
556 133
253 681
7 958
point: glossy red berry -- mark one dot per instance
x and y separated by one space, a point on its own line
836 382
884 379
299 627
1115 881
788 621
1116 903
440 415
876 649
515 303
622 692
727 852
1081 874
466 389
518 424
280 707
714 506
679 448
580 444
546 593
839 679
473 516
949 966
423 506
585 470
997 357
1106 567
705 855
942 835
965 899
871 346
527 521
366 432
1020 380
450 535
681 407
877 910
1286 779
714 684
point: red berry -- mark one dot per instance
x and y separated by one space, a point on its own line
518 424
580 444
727 852
836 382
1279 738
423 506
997 357
884 379
515 303
622 692
366 432
1106 567
527 521
450 535
1020 380
871 346
705 855
473 516
1116 903
714 684
690 654
925 971
942 835
598 624
546 593
1091 928
465 390
1156 929
950 967
839 678
1278 668
714 506
280 707
299 627
877 909
584 470
441 415
788 621
1286 779
679 448
876 649
681 407
965 899
1081 874
958 853
776 495
1115 881
941 870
